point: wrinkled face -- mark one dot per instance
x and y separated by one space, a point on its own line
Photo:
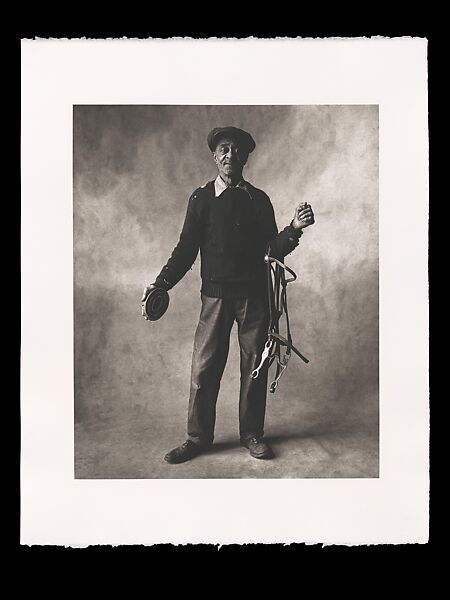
229 157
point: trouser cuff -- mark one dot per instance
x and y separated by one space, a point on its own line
200 442
244 438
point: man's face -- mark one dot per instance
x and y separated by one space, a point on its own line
229 157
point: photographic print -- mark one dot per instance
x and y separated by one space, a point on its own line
224 292
252 234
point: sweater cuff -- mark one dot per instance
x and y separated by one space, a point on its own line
297 233
161 282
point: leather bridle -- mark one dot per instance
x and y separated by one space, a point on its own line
277 299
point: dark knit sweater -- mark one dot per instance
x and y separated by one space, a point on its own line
232 233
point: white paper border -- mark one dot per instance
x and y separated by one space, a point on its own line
56 508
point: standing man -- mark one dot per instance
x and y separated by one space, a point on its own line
231 222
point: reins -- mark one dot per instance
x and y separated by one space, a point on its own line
278 306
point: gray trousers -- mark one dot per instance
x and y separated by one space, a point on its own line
211 345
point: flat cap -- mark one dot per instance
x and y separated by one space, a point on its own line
241 136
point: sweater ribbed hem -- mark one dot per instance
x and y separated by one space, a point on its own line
234 290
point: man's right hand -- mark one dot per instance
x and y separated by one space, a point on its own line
145 294
147 291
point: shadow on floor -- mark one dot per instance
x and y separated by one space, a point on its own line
315 449
278 438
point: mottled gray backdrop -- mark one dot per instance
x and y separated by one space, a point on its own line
134 169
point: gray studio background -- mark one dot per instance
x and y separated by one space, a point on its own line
134 169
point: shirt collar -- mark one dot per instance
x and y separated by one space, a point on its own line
220 185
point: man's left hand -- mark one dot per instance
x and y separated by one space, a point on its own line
304 216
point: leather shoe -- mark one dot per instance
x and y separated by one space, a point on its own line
258 448
183 453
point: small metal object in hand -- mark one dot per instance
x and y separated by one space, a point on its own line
301 207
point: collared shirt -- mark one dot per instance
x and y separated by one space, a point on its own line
220 185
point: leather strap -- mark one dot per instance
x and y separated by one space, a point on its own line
277 297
